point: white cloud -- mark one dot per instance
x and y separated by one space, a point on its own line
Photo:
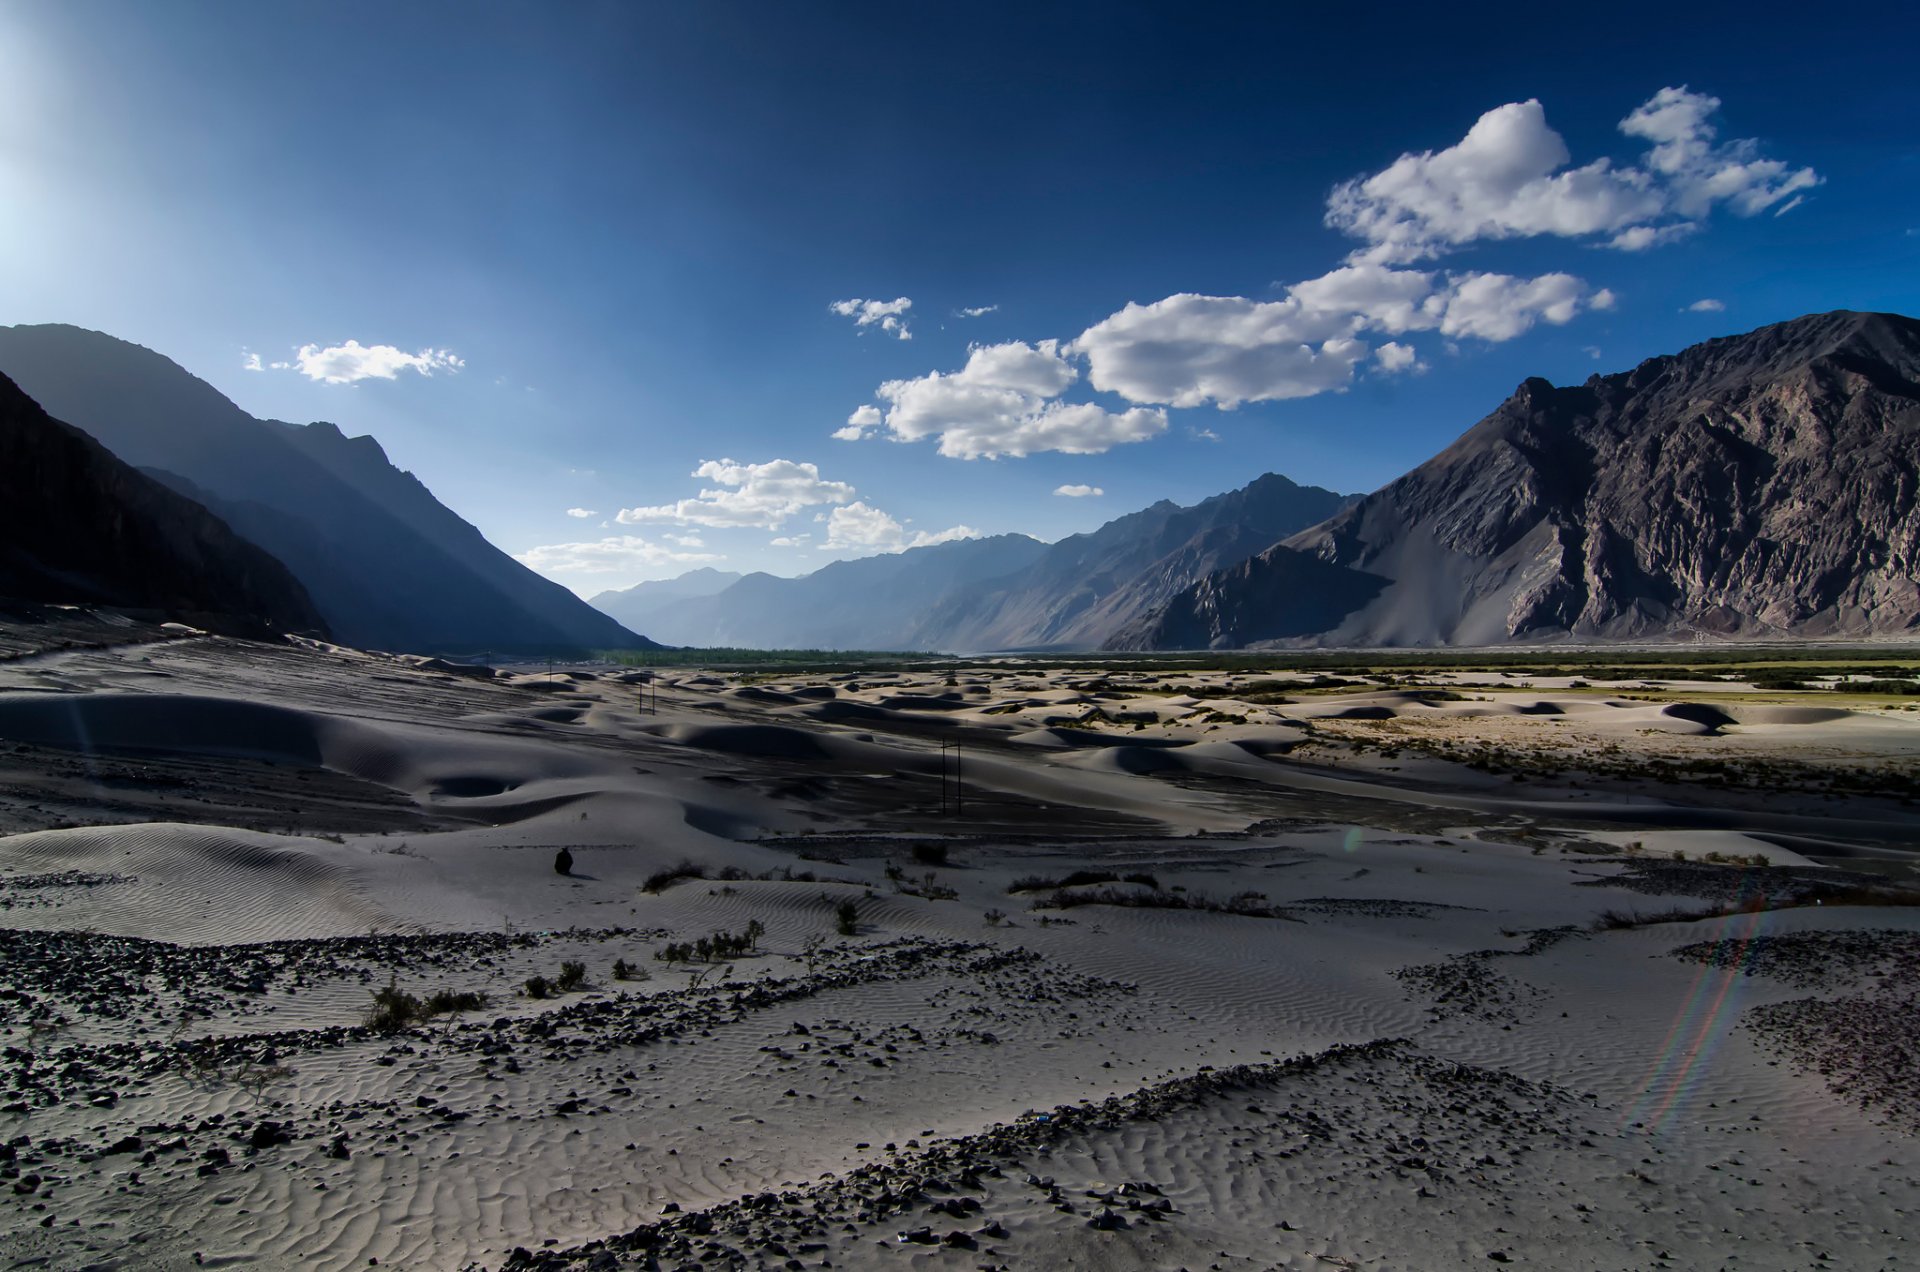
611 555
975 311
763 495
1701 171
1079 492
887 315
582 513
998 404
353 361
1509 177
1188 350
252 363
1707 306
685 540
791 541
863 421
860 528
1394 357
1499 306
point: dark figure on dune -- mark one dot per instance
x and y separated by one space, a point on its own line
563 862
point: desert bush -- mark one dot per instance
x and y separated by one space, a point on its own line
661 880
444 1002
995 918
394 1010
1245 904
1078 879
719 945
538 987
930 854
846 918
572 976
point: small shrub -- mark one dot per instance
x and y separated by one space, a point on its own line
537 987
444 1002
572 976
930 854
995 918
622 970
394 1010
661 880
846 918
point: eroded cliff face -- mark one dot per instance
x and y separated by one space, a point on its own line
1759 485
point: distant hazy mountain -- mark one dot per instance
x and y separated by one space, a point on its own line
77 526
1085 588
877 602
636 606
388 565
1758 485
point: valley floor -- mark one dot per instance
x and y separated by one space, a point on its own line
1389 976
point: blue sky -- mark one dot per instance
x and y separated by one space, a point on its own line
588 256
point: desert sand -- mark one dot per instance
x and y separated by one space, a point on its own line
1337 990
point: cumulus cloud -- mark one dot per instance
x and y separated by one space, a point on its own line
1394 357
1707 306
582 513
1000 403
1510 177
252 363
611 555
763 495
858 527
353 361
887 315
1188 350
1079 492
864 420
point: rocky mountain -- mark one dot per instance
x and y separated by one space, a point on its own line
385 562
78 526
1085 588
637 606
1754 486
876 602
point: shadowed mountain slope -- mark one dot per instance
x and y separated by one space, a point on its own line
77 526
385 562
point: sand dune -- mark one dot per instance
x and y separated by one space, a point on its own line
1352 1012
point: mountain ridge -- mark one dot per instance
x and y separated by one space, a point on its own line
1756 485
386 563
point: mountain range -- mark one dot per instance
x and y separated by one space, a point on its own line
1005 592
1756 486
1764 485
385 563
